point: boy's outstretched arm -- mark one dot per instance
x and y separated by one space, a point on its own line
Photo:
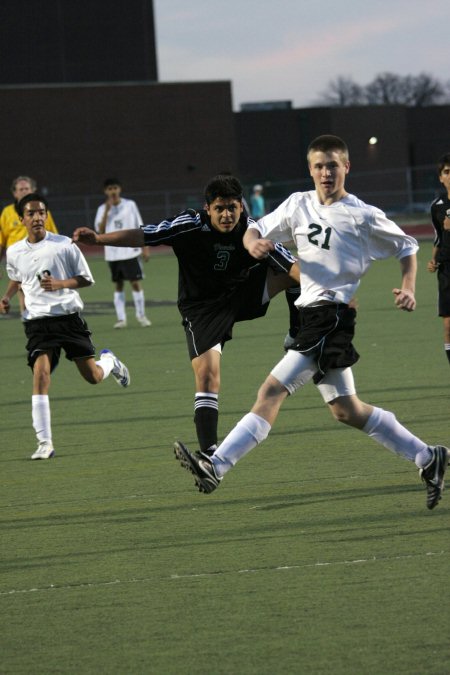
133 237
404 296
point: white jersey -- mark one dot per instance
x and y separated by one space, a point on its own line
55 254
336 244
124 216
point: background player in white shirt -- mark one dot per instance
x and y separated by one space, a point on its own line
337 237
50 269
118 213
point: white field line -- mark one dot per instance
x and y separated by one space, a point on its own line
174 577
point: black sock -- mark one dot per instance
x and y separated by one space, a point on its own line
206 419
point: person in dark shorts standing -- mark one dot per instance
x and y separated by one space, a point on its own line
118 213
338 237
220 283
50 269
440 261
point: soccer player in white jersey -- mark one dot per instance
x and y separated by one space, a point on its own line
337 237
50 269
116 214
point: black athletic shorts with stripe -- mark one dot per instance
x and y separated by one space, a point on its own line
208 323
69 332
326 332
443 275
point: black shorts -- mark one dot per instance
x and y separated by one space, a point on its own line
443 275
208 324
126 270
69 332
326 332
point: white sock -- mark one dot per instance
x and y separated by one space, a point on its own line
248 432
447 350
384 428
139 303
119 304
106 364
40 413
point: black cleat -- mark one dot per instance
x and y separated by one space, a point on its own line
433 474
199 465
209 451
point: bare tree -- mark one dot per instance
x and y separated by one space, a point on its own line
419 90
386 89
342 92
427 90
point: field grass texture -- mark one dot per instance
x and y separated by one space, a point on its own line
315 555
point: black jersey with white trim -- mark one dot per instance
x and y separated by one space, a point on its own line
439 208
212 264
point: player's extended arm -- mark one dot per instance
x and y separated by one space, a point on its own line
11 290
404 296
133 238
255 245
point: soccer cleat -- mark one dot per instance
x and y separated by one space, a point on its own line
120 324
200 465
144 321
120 371
209 451
433 474
45 450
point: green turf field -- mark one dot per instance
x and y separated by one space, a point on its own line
315 556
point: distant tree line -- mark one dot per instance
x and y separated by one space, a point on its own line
387 89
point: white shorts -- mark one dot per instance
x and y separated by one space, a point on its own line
295 370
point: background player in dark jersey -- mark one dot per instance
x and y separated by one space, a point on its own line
440 261
219 283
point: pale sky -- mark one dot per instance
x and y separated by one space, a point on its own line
292 49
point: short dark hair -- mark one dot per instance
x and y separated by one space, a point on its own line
326 143
443 161
223 185
111 181
32 197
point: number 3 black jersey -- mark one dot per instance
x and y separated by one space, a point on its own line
212 264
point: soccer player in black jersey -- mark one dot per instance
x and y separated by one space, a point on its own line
440 261
219 284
